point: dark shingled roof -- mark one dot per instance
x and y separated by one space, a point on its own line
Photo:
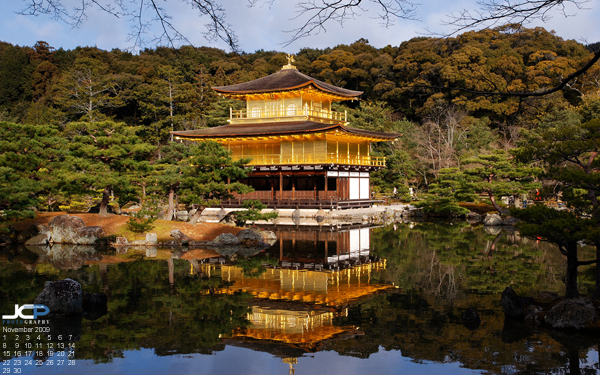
276 128
283 80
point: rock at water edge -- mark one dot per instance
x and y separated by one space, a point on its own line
180 236
492 220
63 228
62 297
513 304
571 313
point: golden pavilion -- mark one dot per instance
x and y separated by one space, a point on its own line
304 155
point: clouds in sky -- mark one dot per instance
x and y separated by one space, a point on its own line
264 26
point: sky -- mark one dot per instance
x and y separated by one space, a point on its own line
266 26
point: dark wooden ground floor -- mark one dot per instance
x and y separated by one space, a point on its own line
320 189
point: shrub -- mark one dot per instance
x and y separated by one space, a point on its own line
141 221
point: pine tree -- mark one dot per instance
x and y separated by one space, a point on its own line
104 156
31 159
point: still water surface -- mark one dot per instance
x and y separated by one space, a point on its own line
350 301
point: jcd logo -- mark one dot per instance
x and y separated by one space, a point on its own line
36 312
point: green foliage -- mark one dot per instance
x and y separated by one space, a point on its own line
104 156
205 175
141 221
254 266
568 150
442 197
253 212
31 160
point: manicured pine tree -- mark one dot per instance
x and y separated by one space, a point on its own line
211 175
497 174
569 151
104 156
31 158
168 173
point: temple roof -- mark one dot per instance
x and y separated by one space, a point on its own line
284 80
278 128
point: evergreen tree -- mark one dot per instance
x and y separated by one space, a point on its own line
210 175
496 174
104 156
31 159
569 151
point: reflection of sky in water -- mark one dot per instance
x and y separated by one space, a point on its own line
233 361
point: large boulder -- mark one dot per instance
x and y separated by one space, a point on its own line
514 305
61 297
571 313
88 235
39 240
33 231
225 239
180 237
63 228
249 237
492 220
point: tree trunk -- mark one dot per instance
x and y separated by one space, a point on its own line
500 210
104 204
171 209
572 261
597 289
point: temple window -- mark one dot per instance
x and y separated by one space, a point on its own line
272 108
256 111
291 109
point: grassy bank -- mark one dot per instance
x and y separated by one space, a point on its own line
117 225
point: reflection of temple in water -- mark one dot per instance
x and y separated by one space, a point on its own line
326 246
320 273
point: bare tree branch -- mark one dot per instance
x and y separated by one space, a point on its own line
321 12
501 12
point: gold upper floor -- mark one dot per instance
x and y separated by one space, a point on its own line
303 106
305 150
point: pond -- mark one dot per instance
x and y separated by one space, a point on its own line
346 300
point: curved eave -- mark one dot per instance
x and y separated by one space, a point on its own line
262 132
242 95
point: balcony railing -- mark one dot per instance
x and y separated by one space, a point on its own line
332 158
283 114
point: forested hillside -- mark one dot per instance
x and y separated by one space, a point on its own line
449 98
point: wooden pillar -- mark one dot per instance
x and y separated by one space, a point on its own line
280 185
326 185
280 245
293 188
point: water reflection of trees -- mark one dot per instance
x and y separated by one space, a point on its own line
434 258
170 305
145 307
409 323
